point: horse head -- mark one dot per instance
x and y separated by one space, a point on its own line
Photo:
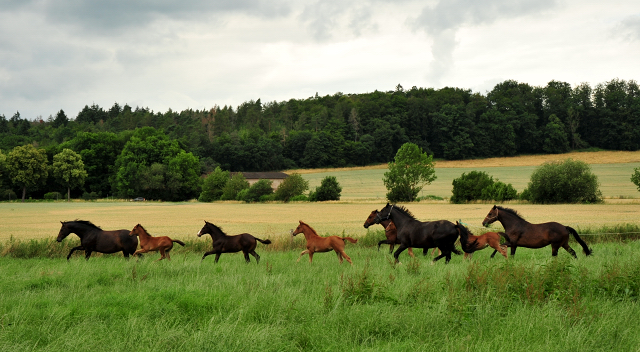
136 230
384 214
491 217
64 232
371 220
299 229
205 229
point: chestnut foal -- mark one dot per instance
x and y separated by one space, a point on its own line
476 243
316 243
149 243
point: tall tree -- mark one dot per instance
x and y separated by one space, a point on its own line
68 169
27 167
411 170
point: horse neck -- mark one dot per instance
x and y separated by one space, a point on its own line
509 220
143 235
79 229
400 219
309 234
215 233
385 223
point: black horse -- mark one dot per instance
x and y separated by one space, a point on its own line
230 244
94 239
414 233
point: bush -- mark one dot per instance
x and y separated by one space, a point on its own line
52 196
499 191
469 186
213 185
635 178
236 184
292 186
8 194
300 198
261 188
569 181
329 190
242 194
90 196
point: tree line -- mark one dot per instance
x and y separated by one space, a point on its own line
128 150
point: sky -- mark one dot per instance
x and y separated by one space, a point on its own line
161 54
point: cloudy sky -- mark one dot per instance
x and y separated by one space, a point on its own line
161 54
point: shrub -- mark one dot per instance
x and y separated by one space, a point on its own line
236 184
261 188
300 198
568 181
469 186
329 190
499 191
90 195
213 185
292 186
52 196
242 194
635 178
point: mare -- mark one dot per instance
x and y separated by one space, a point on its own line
315 243
149 243
418 234
525 234
489 239
230 244
390 232
94 239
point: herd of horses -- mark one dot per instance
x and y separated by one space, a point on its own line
401 228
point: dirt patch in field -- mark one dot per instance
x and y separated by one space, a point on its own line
602 157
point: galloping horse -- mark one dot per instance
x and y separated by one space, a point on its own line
525 234
481 242
414 233
94 239
316 243
149 243
230 244
390 232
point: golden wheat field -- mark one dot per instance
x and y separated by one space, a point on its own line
272 220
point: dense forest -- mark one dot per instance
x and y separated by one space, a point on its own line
126 149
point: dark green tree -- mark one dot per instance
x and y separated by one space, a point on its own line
61 119
411 170
258 190
555 140
329 189
213 185
293 185
469 186
27 167
236 184
68 169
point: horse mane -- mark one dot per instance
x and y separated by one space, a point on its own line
511 211
309 227
145 230
217 228
405 211
85 222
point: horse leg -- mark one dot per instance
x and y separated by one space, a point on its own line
246 257
87 254
168 255
302 253
513 250
162 254
554 250
570 250
339 256
217 257
310 257
74 249
255 255
345 256
396 254
381 242
392 245
410 252
443 253
469 255
206 254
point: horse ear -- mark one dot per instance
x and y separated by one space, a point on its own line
300 221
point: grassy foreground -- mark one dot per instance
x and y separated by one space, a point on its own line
527 303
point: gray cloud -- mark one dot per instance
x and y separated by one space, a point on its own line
443 20
629 28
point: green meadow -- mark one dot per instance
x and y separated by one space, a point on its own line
615 180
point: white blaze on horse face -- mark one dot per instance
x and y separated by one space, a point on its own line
200 233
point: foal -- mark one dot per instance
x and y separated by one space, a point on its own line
316 243
149 243
473 243
390 232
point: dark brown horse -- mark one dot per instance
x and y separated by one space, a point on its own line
316 243
94 239
148 243
525 234
418 234
390 232
230 244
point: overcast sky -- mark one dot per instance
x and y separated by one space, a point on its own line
196 54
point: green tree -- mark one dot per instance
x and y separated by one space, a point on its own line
635 178
213 185
555 137
257 190
27 167
329 189
292 186
568 181
3 167
469 186
411 170
236 184
68 169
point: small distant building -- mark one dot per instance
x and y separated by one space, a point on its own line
253 177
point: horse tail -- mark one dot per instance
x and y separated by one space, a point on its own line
464 239
178 242
349 239
585 248
263 241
